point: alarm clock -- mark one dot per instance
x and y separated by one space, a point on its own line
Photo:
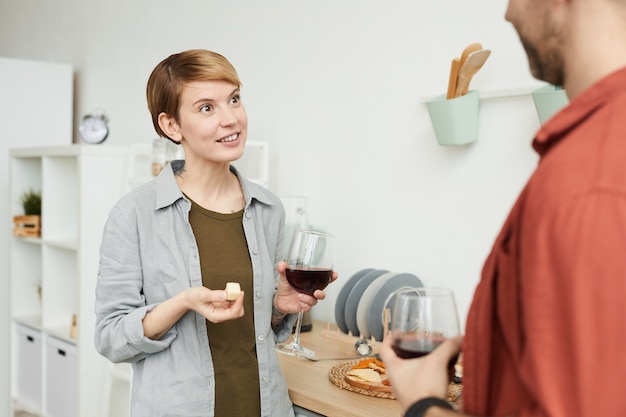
94 128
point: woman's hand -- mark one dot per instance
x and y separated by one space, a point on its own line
212 304
428 376
291 301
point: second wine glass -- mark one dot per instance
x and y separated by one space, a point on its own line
422 319
309 267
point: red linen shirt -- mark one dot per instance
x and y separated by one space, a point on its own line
546 332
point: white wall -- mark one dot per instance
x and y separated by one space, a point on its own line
337 88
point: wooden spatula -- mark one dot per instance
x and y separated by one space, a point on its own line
454 74
458 63
472 47
472 64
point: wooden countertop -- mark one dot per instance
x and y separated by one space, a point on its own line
310 388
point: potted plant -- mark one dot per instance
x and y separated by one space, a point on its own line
31 202
30 223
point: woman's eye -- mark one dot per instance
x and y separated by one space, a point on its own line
206 108
235 99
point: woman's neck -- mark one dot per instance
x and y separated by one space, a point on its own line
213 187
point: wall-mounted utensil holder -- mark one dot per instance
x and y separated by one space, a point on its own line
455 121
548 101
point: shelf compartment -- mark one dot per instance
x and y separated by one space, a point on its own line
60 216
26 175
60 289
26 266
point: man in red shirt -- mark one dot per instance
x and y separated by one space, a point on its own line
545 334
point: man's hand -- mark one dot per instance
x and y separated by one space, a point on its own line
428 376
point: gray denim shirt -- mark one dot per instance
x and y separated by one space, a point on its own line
149 254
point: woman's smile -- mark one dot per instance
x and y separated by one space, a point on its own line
229 138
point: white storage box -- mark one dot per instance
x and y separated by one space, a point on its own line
61 378
28 367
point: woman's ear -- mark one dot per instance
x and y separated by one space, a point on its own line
170 127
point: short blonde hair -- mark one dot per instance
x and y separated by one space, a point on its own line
168 78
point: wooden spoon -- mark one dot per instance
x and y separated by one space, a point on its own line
474 62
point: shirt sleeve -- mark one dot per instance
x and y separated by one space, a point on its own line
120 304
282 330
573 286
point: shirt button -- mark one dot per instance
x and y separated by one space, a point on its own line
261 338
255 252
266 380
259 294
248 215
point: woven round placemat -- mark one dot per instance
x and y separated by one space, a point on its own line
337 376
338 372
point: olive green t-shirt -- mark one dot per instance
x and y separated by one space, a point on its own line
224 257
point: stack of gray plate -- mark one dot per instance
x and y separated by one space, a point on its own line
364 297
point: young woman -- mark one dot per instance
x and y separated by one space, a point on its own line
169 248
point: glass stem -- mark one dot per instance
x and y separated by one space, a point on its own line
296 335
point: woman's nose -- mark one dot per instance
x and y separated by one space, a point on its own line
229 117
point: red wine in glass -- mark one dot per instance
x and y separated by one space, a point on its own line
309 267
408 347
422 319
307 280
413 346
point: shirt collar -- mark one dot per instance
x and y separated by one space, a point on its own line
583 106
168 191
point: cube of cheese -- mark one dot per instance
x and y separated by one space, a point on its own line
233 290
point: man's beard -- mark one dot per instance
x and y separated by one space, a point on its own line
545 64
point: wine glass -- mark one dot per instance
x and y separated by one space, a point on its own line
422 319
309 268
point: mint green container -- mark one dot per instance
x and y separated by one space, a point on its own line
548 101
455 121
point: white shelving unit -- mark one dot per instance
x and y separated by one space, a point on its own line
54 374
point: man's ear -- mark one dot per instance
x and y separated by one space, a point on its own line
170 127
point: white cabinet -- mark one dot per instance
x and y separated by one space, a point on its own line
61 376
28 380
53 278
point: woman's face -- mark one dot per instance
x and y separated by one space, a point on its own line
212 122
